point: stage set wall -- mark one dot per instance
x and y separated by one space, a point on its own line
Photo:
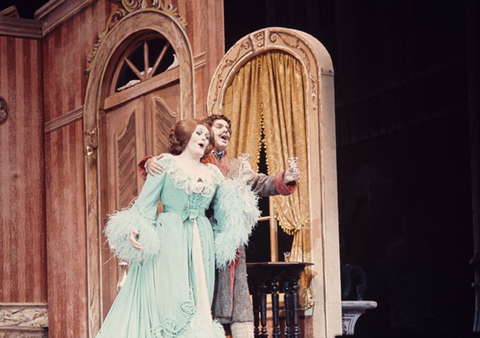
23 277
43 79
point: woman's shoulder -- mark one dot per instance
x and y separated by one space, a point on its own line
166 159
165 156
214 170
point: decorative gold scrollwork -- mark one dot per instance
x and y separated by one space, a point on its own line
131 5
112 21
90 139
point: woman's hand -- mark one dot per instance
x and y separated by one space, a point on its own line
291 175
153 166
133 239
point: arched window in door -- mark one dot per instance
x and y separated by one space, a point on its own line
142 61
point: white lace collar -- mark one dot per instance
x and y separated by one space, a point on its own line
185 182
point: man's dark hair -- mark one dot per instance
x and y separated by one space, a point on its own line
210 119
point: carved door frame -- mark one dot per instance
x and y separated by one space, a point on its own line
122 25
319 94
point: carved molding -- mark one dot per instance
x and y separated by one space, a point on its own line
18 27
130 6
55 12
63 120
293 42
304 54
160 105
90 139
23 315
23 332
351 311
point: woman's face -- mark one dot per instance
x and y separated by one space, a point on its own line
198 141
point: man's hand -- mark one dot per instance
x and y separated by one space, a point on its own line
153 166
291 175
246 173
133 239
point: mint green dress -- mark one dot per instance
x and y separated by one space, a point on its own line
170 283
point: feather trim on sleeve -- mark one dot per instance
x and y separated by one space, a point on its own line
236 213
119 227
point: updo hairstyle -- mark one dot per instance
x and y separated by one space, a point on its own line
182 132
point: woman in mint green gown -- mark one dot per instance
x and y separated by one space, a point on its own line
169 288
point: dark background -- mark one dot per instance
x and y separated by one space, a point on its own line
26 8
403 149
404 86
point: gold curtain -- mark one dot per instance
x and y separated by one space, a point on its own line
268 93
241 106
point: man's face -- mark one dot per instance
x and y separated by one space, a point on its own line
221 132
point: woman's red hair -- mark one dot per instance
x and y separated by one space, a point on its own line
182 132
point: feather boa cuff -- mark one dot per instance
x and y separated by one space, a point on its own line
119 227
236 213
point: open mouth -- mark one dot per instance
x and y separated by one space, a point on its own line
225 137
202 145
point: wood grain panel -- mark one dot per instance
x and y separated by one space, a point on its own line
206 34
22 192
66 232
164 121
65 51
125 146
126 163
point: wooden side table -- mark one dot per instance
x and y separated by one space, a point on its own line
275 277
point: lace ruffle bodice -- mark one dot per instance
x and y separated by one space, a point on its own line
206 187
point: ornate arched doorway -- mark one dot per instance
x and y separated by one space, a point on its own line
317 238
140 83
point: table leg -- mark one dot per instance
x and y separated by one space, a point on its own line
288 310
263 309
275 308
296 305
256 312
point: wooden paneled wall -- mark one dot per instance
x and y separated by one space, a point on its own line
206 34
65 51
66 232
22 191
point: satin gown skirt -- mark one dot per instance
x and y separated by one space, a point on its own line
161 297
